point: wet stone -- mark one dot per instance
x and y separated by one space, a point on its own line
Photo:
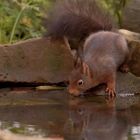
40 60
130 16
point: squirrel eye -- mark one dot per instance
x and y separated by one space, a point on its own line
80 82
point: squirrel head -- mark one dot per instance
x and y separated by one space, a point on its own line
80 79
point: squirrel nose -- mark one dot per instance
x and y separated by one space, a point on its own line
74 92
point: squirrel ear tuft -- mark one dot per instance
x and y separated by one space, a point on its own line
86 70
78 62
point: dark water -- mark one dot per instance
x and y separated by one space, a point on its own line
55 113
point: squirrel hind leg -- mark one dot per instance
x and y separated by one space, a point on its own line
124 68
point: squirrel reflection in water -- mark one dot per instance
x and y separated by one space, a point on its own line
97 121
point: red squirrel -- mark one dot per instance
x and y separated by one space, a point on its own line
103 53
101 50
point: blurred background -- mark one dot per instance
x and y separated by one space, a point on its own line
22 19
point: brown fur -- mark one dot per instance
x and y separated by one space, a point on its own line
77 19
104 52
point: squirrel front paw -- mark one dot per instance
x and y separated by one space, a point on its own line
110 92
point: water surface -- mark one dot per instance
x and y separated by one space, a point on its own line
55 113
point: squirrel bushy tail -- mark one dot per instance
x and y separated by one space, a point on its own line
77 19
